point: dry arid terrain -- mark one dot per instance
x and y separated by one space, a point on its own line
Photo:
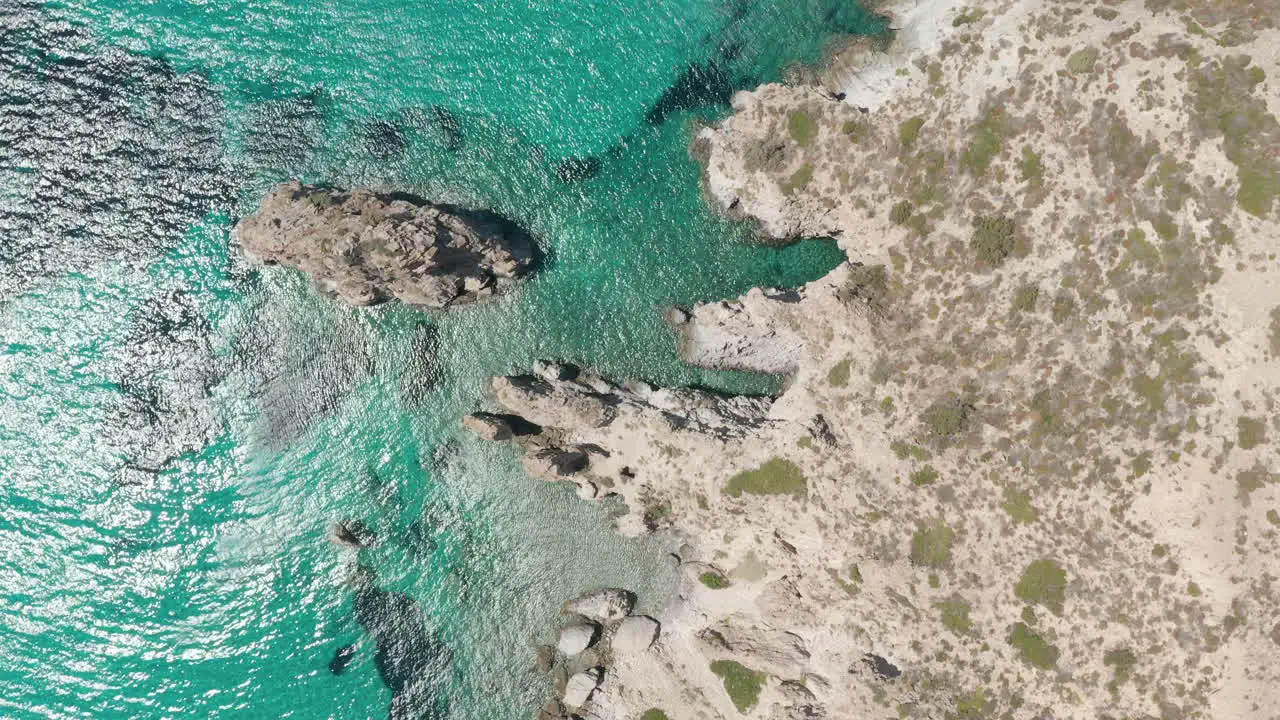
1026 462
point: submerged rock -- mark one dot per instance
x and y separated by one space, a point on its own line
353 534
368 248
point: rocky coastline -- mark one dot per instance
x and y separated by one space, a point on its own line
367 247
1024 464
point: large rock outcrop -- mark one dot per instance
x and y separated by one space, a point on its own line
367 247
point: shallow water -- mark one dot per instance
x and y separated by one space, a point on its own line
178 428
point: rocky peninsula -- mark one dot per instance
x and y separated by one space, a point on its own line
1025 465
366 247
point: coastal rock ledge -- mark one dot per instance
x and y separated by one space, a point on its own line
368 247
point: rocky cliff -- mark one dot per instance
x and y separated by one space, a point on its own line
367 247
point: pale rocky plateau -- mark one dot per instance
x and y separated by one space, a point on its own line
1025 461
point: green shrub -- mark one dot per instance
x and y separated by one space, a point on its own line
1025 297
900 213
1082 61
654 714
742 683
947 417
713 580
924 476
856 131
907 450
839 374
993 238
802 127
1033 648
778 476
1043 582
1030 168
931 544
909 131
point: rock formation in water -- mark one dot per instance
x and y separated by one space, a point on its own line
367 247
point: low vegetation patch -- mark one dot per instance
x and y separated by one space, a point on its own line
1122 662
1225 103
778 476
909 131
931 544
654 714
947 417
1044 582
968 16
867 284
1032 648
986 139
713 580
955 615
992 239
1017 504
900 213
1251 432
974 705
1030 167
907 450
1273 338
1082 61
1025 297
802 127
741 682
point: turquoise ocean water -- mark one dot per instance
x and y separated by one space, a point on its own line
177 428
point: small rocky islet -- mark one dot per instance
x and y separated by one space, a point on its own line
370 247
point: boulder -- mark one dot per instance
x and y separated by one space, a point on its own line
635 634
488 426
578 691
554 403
368 247
603 606
577 637
554 463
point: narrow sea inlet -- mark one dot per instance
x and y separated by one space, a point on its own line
179 427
